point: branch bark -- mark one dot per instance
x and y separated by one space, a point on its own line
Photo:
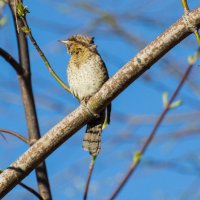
11 61
29 103
113 87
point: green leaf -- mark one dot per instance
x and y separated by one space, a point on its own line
137 157
176 104
25 29
165 98
21 10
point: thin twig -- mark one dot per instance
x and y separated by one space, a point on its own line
31 190
11 61
186 11
89 177
185 6
47 64
196 33
136 162
15 13
19 136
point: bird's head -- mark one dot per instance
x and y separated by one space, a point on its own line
79 43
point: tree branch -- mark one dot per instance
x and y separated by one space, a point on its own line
19 136
31 190
46 62
91 167
112 88
11 61
28 100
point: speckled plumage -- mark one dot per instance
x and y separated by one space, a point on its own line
86 74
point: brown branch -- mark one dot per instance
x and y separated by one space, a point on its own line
11 61
152 134
31 190
28 100
89 177
19 136
111 89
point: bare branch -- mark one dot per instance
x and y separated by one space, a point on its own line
19 136
89 177
112 88
28 99
31 190
11 61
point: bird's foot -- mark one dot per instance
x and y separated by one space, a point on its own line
84 103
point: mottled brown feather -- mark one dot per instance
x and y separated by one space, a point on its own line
86 74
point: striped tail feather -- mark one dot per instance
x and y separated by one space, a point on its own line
92 138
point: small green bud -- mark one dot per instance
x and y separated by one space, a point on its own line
25 29
176 104
165 98
137 157
21 10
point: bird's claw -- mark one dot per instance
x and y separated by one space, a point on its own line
84 103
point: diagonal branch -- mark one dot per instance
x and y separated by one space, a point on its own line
111 89
11 61
31 190
46 62
19 136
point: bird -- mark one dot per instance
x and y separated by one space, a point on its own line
86 73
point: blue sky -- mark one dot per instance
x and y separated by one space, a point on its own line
134 111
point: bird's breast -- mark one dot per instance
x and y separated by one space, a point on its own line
86 78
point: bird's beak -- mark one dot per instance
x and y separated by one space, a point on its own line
63 41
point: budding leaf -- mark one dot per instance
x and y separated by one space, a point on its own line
165 98
176 104
21 10
137 157
25 29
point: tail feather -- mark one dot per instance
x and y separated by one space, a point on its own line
92 138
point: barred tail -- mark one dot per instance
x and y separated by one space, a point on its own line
92 138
